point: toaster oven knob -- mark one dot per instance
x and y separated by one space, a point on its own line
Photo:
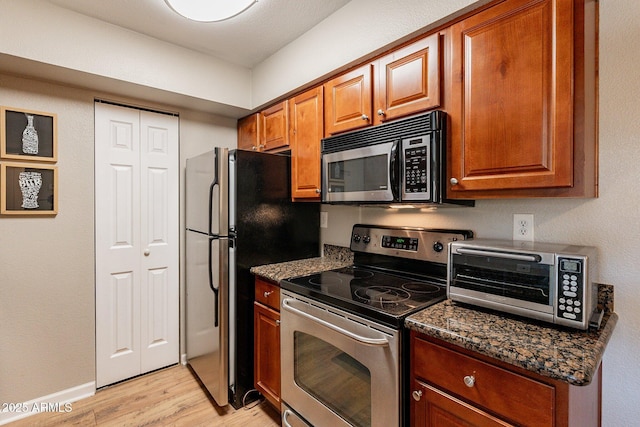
417 395
366 239
438 246
356 238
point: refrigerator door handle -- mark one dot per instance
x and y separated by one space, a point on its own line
213 185
215 291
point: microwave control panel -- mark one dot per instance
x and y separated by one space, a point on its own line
416 168
571 288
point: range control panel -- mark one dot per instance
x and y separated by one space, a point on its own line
414 243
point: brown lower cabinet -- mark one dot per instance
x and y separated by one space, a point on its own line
451 386
266 324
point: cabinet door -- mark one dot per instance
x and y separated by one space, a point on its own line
511 98
348 101
408 80
305 135
275 127
434 408
267 352
249 132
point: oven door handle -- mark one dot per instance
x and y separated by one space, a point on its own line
383 342
508 255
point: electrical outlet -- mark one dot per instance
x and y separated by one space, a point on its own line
523 227
324 219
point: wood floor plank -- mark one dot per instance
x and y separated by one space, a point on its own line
169 397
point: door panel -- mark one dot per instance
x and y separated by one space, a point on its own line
159 235
136 230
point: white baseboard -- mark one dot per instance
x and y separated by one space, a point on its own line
60 401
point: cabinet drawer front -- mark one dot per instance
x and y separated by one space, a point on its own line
267 293
509 395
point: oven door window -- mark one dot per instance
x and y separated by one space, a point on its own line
333 377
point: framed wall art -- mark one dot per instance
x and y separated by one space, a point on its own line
28 135
28 189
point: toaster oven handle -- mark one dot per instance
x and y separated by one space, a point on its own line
383 342
498 254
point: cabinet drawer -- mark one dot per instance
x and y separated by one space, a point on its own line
509 395
267 293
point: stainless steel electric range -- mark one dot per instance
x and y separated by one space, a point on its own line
341 330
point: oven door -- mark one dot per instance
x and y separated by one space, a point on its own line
337 369
361 175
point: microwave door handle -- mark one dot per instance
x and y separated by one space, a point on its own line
393 170
507 255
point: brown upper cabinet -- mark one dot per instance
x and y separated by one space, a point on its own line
275 126
249 132
305 133
266 130
521 96
348 101
403 82
408 80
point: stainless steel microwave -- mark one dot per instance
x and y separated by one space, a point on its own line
543 281
402 161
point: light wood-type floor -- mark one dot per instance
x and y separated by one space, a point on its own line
169 397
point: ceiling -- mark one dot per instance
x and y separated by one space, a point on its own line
246 39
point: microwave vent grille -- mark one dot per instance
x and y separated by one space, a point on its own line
402 128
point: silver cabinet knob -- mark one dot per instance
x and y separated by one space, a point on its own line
267 293
469 381
454 181
277 323
147 252
417 395
381 112
254 148
318 191
365 117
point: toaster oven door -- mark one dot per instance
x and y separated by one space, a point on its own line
512 282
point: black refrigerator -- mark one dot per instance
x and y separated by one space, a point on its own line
239 214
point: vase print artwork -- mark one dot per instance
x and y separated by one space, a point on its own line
29 137
30 183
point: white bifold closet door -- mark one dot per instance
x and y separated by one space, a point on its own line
136 235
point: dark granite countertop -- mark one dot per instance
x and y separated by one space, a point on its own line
334 257
561 353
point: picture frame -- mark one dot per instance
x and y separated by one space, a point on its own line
27 135
28 189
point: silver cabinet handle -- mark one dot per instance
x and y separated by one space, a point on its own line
267 293
365 117
453 181
417 395
469 381
286 305
381 112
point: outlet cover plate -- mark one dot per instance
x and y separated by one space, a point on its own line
523 227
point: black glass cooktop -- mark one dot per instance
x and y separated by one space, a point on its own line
380 296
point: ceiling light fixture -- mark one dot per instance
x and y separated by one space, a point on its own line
209 10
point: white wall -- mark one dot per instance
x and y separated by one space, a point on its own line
90 51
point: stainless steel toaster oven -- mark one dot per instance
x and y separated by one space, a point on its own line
543 281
